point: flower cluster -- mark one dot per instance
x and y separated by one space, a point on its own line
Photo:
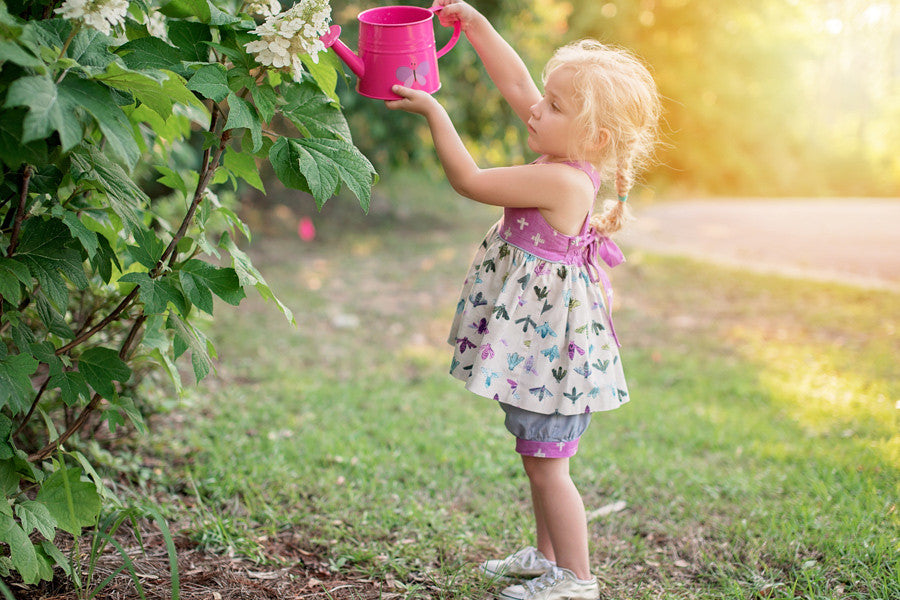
263 8
296 31
102 15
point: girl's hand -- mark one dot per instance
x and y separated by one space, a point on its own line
413 101
456 10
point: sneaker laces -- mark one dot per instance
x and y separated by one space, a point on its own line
548 579
529 558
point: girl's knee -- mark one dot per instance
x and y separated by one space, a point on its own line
544 472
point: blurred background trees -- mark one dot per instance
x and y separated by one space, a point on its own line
768 98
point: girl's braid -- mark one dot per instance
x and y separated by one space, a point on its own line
615 212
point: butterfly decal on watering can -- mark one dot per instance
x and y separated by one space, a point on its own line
414 74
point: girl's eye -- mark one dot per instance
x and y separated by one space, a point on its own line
555 107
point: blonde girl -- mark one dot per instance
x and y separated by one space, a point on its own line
533 329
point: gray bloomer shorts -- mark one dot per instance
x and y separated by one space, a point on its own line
545 436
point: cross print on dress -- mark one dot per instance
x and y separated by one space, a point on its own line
537 239
507 233
522 223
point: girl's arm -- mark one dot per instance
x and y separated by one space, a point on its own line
501 61
556 188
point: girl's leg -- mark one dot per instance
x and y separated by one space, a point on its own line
559 514
544 544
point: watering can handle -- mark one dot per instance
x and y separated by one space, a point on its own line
457 29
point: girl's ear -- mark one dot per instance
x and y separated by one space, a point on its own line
603 139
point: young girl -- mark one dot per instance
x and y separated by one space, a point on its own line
533 328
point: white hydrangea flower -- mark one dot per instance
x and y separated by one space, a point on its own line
285 36
101 15
263 8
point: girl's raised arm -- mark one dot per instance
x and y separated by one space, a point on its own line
501 61
554 187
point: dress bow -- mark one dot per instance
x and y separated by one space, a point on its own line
600 247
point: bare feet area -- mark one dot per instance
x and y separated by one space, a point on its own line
849 240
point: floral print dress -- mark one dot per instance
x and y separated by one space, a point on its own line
533 326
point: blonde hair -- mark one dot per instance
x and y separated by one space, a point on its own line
618 99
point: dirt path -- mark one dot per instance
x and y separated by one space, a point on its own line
850 240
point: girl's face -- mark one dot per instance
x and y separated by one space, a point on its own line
552 124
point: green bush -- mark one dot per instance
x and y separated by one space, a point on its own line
101 283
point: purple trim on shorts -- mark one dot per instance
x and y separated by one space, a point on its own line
546 449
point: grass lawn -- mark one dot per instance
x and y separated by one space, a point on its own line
759 456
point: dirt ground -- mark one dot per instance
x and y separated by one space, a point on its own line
204 575
851 240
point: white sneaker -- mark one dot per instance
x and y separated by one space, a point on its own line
556 584
526 563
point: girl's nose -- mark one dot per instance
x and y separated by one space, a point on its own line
534 109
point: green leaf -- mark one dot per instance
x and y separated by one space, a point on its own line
265 100
12 151
72 502
59 559
98 101
44 250
45 34
156 294
159 92
78 230
104 260
12 52
36 515
9 482
181 9
243 165
325 71
21 550
149 53
192 40
242 114
171 178
126 199
100 367
90 48
45 352
210 81
47 111
149 248
220 17
125 406
249 275
147 89
7 449
71 385
186 337
15 381
52 318
12 275
199 278
313 113
318 166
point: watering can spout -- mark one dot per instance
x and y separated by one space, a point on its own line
330 40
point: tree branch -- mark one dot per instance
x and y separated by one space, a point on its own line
82 418
106 321
20 211
209 167
33 407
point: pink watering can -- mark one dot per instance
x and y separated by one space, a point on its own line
396 46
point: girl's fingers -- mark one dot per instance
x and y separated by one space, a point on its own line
401 91
398 104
